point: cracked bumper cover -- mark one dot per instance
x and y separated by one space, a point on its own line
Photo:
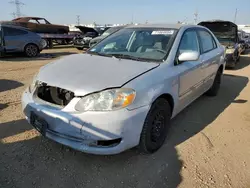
81 131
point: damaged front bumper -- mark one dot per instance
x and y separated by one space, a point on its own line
101 133
230 59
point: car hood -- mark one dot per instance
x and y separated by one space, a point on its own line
85 73
222 29
96 39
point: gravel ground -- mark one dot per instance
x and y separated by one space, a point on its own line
208 145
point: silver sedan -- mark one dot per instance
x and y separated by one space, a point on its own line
124 91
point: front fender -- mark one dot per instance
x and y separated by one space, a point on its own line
152 85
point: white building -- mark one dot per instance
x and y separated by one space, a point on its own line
245 28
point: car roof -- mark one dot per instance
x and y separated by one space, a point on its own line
167 26
27 18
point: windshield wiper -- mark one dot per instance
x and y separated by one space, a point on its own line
98 53
126 56
123 56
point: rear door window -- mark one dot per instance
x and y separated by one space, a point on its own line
207 41
13 31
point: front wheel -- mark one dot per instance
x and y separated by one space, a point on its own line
155 127
31 50
214 90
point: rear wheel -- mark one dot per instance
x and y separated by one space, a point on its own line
155 127
213 91
31 50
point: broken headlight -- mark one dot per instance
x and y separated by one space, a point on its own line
229 51
33 84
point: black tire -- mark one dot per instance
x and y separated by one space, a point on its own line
154 133
79 48
238 58
214 90
31 50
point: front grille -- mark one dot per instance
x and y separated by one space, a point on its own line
54 95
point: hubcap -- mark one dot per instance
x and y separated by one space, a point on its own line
31 50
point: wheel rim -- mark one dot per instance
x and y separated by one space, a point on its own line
158 127
44 43
31 50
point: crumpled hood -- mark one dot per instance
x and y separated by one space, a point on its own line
85 73
84 29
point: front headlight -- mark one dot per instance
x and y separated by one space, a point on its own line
229 51
107 100
33 84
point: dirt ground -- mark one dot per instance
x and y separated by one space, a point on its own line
208 145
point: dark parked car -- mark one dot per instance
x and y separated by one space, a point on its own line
15 39
104 35
227 33
82 40
38 25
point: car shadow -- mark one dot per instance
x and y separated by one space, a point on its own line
36 161
42 56
3 106
206 109
244 61
58 46
6 85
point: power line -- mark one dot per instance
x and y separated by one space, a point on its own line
18 5
13 14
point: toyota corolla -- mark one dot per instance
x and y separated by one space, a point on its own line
124 91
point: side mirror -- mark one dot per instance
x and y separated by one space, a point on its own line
189 56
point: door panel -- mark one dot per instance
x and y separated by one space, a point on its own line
13 39
191 78
191 74
210 56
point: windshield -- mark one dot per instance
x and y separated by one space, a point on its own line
137 43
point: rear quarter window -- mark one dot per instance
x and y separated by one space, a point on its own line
14 32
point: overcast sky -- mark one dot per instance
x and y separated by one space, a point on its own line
140 11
